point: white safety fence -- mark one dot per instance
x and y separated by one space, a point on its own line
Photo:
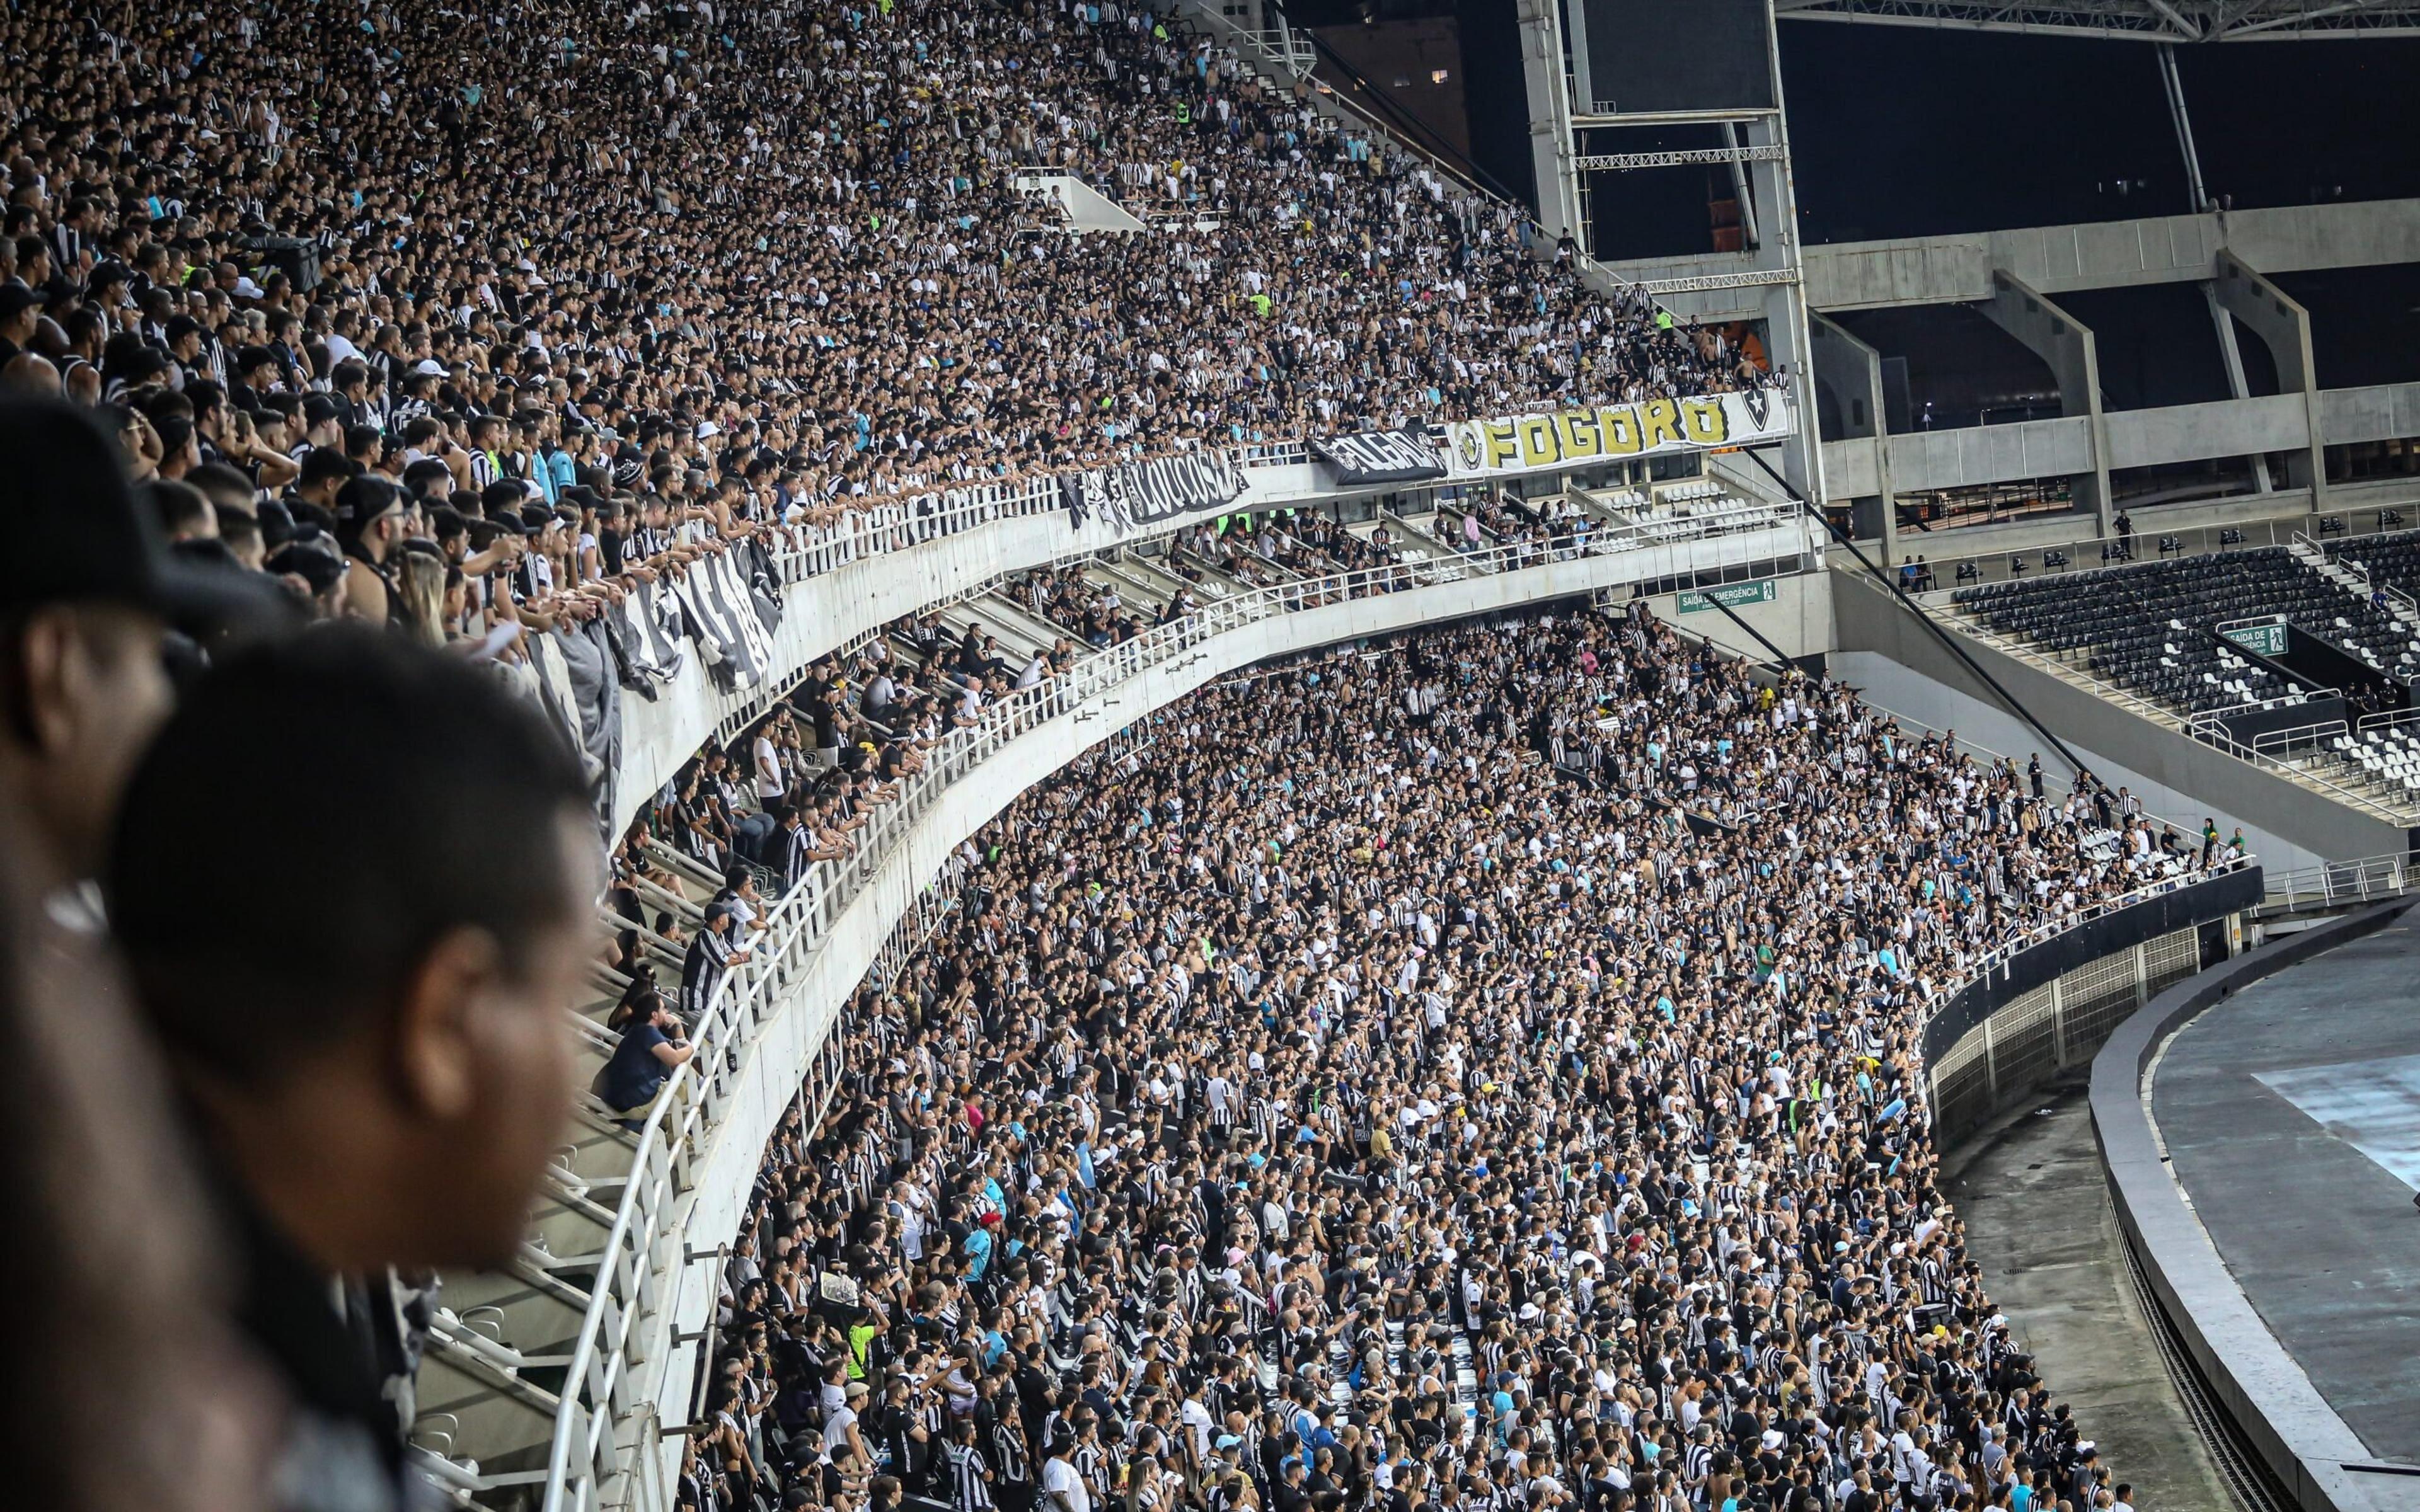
2339 884
774 1022
1998 957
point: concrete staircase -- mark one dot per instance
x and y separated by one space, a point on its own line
1085 208
2347 571
500 1342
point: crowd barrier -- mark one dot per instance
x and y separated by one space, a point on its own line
839 582
2046 1002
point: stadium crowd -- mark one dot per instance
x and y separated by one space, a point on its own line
554 261
1522 1022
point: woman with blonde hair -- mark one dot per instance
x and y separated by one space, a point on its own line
420 581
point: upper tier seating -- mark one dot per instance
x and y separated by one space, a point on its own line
2392 559
779 244
2150 626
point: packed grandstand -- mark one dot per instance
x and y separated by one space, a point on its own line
1495 1120
1481 1072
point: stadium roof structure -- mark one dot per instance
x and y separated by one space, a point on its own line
2148 20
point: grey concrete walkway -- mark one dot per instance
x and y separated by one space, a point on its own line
2292 1114
2038 1221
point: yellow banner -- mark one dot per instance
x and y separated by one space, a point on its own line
1571 438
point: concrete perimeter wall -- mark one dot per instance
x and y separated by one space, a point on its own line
1798 621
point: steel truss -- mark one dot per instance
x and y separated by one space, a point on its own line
2149 21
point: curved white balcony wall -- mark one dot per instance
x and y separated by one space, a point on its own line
830 930
838 591
894 563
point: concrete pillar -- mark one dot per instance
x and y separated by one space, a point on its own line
1550 119
2285 328
2057 1023
2067 345
1851 373
2230 354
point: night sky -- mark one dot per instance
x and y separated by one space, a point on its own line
1897 132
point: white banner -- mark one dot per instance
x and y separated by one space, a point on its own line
1613 432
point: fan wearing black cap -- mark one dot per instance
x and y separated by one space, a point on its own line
21 309
370 527
86 590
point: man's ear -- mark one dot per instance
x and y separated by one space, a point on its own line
435 1038
37 675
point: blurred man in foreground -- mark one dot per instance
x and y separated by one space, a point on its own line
360 988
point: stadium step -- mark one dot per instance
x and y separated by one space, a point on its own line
1414 548
498 1351
1010 618
1086 209
1135 593
1158 577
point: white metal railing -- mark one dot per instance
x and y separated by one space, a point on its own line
2332 884
897 523
2089 553
584 1453
1280 46
894 522
2145 545
2287 741
2309 774
2006 951
2319 736
938 521
2085 554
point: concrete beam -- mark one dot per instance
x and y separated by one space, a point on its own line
2214 428
2230 353
1965 456
2379 412
2067 345
2059 259
1851 373
2285 328
1968 456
